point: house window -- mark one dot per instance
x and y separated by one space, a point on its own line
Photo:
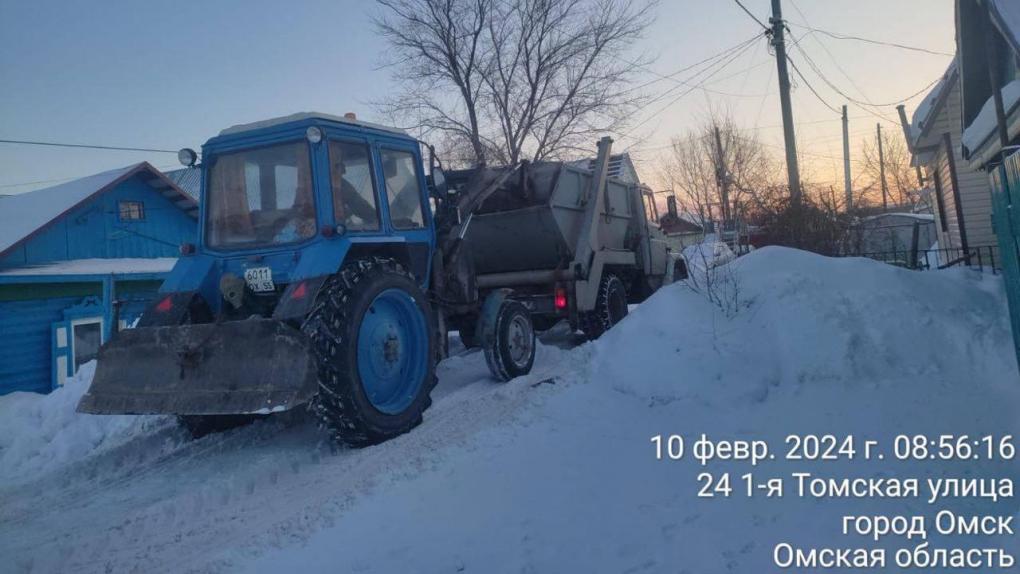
87 337
131 211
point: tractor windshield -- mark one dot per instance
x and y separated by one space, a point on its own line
260 197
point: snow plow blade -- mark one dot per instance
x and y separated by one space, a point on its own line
255 366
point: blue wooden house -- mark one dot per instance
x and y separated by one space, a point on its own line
68 252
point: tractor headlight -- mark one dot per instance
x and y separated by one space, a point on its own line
313 134
187 157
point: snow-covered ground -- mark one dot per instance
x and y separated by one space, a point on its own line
553 472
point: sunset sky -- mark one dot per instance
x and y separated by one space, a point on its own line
169 75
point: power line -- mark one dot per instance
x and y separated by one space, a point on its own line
838 36
88 146
749 13
718 68
809 86
673 75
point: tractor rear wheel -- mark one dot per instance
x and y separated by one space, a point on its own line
610 307
372 335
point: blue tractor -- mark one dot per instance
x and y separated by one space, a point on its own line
328 270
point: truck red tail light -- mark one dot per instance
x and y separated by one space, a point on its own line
560 298
299 292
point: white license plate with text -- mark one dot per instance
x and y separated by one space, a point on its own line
259 279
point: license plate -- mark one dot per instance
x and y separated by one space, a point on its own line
259 279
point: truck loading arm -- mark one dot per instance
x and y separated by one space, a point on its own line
588 241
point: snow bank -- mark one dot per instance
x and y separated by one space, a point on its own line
41 433
709 253
820 345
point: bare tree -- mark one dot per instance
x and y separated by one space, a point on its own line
693 169
439 45
900 177
515 78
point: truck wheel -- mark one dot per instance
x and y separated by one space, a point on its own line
610 307
371 334
507 336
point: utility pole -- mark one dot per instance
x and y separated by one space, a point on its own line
722 177
846 162
881 170
792 171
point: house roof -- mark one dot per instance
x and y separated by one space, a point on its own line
926 112
189 179
25 214
1006 16
978 141
83 268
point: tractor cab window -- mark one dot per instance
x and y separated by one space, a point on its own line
402 189
350 177
260 197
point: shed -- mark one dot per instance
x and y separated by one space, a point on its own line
68 252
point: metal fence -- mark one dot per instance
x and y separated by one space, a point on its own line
983 258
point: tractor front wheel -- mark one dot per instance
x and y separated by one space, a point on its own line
372 335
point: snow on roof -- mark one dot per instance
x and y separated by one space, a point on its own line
241 128
125 266
928 106
24 213
918 216
985 123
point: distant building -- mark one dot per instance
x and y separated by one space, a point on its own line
67 252
621 166
680 229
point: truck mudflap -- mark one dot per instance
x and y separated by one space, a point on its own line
255 366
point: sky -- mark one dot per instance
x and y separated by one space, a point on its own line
167 75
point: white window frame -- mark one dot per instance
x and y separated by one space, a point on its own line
70 335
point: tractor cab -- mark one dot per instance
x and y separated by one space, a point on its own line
287 200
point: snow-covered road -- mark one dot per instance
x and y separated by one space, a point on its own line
552 472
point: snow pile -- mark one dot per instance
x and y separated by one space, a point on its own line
709 253
820 345
40 433
984 124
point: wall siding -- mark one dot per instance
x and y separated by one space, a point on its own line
975 190
94 230
25 345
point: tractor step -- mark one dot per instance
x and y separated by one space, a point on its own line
255 366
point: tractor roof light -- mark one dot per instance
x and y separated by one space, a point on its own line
187 157
313 134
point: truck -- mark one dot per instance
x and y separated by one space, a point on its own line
330 268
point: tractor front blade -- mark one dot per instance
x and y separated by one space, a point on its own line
239 367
